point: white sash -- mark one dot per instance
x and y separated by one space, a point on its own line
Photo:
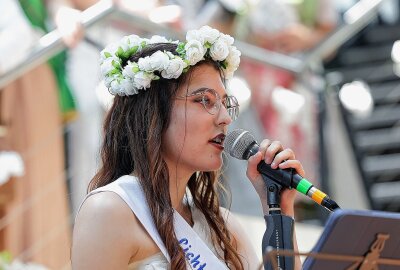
197 253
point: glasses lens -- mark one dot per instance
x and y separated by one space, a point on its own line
232 106
210 101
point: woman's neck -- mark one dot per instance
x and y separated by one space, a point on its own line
178 180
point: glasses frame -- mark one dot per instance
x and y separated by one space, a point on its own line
229 102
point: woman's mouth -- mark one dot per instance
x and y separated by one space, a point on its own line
218 141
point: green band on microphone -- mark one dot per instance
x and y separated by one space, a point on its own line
304 186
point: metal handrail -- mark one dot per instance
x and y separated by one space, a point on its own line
145 24
51 43
366 11
253 52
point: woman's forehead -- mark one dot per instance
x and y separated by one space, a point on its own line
205 76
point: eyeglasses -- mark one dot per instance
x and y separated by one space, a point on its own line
211 101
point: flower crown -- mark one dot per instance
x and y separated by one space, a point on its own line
200 44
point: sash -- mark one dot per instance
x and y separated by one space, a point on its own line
198 255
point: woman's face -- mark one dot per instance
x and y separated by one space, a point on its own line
193 140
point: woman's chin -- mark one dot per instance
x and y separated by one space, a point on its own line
217 164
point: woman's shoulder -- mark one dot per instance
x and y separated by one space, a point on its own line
104 223
107 213
106 206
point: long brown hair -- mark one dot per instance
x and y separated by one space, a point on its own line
133 130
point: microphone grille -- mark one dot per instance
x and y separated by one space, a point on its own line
237 142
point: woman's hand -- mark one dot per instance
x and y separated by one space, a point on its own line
273 152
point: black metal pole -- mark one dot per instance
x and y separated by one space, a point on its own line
279 232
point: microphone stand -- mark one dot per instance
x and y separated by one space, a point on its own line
279 232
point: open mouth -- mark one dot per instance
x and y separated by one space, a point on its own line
218 140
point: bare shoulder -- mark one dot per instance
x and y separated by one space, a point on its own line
104 224
105 211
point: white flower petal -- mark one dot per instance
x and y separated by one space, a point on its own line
143 79
195 35
209 34
194 51
158 39
174 69
219 50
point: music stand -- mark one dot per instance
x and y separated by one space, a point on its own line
355 239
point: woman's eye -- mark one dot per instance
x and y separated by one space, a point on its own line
206 100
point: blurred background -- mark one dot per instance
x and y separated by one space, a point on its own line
322 76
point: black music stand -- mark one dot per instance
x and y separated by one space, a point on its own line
372 236
354 240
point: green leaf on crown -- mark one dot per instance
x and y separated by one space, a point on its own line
130 52
135 69
224 64
120 52
116 64
180 49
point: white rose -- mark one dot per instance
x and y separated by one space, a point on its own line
130 41
158 39
228 73
143 79
194 35
219 50
128 71
108 80
157 61
209 34
233 58
128 87
109 51
116 89
233 61
227 38
107 66
194 51
174 69
170 54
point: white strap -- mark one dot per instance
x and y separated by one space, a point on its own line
197 253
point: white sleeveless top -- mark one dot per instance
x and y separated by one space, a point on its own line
159 261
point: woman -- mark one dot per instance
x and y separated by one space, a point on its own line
165 133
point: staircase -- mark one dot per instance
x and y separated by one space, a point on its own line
375 139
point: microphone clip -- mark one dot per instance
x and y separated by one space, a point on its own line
273 190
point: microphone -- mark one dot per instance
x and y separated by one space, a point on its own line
242 145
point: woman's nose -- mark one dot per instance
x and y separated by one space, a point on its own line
224 117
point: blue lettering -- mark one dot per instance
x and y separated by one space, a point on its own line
202 266
195 261
183 241
186 249
189 255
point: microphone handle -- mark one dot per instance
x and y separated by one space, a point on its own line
289 179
